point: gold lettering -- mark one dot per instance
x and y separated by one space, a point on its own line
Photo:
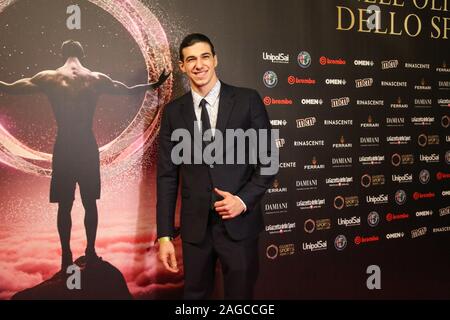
352 17
392 14
433 6
419 23
420 7
433 24
378 14
362 21
397 3
446 28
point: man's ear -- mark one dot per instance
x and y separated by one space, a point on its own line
181 65
216 61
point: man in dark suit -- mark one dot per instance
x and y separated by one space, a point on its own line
221 215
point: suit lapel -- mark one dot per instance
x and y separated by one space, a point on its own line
226 104
188 114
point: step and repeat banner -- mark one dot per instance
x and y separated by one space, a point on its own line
360 93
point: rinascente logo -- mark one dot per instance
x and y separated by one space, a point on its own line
309 143
413 65
394 84
338 122
291 164
441 229
276 58
371 103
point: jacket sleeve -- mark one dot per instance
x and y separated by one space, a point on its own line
263 175
167 180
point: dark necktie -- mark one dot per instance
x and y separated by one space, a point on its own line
206 124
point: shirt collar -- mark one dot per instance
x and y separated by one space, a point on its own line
211 97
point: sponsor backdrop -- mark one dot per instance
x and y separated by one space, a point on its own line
360 207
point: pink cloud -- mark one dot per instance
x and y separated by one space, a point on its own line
28 257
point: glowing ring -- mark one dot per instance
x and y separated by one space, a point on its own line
127 149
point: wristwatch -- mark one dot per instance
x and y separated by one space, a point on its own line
164 239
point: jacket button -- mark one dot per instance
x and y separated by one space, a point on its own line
211 166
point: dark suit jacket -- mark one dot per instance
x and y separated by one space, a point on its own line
238 108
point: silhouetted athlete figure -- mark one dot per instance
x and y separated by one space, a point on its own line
73 91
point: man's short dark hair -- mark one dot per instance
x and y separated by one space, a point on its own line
72 48
192 39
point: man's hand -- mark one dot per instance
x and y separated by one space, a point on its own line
162 77
167 256
230 207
